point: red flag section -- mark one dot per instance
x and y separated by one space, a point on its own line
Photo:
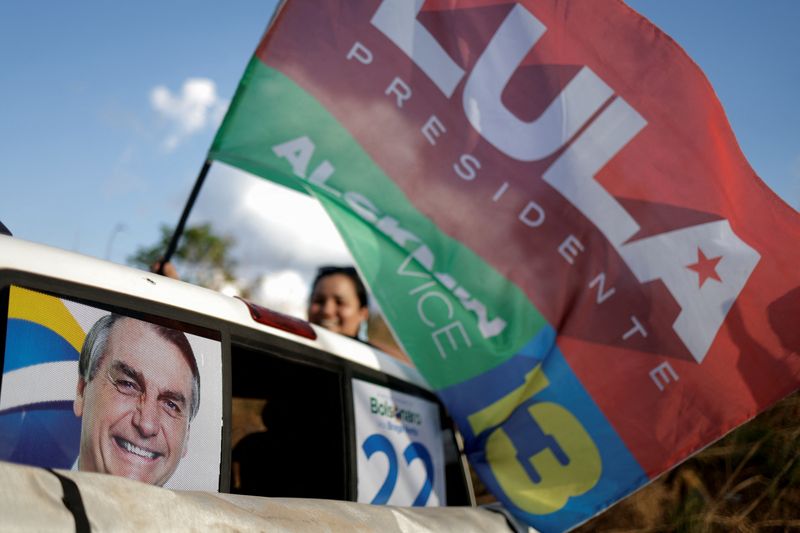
617 258
577 151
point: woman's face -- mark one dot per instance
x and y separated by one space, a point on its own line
335 305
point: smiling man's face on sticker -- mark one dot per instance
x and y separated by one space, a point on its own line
136 407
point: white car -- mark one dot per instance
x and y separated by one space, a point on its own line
270 406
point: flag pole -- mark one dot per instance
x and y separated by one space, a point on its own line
176 235
173 244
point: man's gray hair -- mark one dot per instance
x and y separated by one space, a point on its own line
94 349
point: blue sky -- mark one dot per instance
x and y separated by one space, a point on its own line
108 109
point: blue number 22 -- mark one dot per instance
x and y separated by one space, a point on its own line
415 450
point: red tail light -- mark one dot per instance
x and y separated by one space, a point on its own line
268 317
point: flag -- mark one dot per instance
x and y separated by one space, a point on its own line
550 207
40 373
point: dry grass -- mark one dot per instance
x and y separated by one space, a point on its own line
747 482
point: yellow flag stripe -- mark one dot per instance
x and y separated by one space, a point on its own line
48 311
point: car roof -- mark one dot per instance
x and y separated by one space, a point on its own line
71 268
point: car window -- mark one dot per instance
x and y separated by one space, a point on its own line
287 428
144 401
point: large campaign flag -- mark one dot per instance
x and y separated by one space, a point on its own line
547 201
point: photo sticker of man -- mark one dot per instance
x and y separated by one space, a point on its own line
137 394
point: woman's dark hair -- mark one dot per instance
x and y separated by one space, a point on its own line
348 271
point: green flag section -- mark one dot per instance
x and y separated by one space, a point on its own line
433 290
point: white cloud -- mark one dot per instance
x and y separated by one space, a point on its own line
282 236
196 107
285 291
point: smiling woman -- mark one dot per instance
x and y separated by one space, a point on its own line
339 301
